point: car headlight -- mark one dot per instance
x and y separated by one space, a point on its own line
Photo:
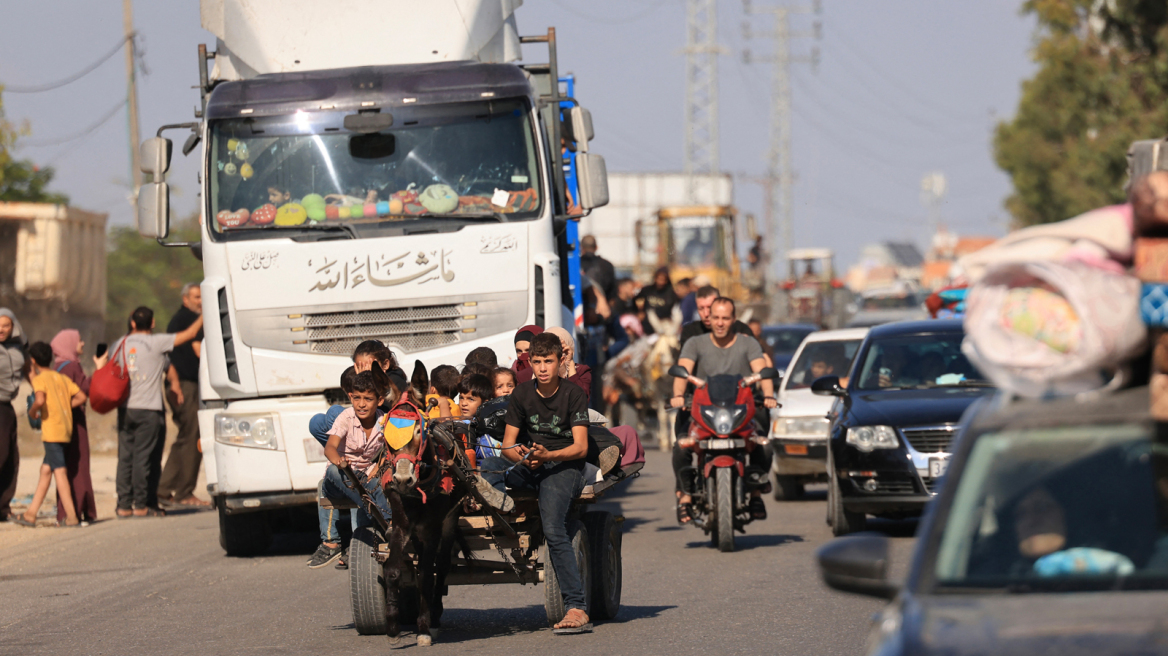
801 426
724 420
255 431
867 438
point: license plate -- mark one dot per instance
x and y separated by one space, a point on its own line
313 451
721 443
937 467
795 449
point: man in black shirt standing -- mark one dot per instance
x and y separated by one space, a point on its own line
177 485
597 268
553 416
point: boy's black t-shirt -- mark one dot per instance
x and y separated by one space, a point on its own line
548 421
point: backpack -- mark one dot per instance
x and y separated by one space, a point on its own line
110 385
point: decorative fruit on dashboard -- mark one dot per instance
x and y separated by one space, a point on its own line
246 171
229 219
264 214
439 199
332 212
291 214
315 205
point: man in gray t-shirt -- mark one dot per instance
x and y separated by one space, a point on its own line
722 351
142 424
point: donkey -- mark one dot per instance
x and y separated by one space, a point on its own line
425 498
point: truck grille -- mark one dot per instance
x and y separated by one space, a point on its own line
402 329
933 439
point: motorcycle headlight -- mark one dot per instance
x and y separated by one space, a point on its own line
867 438
256 431
801 426
724 420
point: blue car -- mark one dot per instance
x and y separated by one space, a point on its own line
894 420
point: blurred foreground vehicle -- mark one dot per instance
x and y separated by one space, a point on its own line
1050 536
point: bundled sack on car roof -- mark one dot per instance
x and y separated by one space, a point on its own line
1052 308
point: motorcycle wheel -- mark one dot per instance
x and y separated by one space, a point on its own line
724 519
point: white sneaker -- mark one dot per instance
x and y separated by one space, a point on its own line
493 496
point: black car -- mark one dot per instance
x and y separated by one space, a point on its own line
1049 536
895 420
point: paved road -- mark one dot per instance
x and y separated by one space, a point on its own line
163 586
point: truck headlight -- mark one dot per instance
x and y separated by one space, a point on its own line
801 426
867 438
255 431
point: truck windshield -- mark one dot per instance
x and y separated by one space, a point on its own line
1060 509
699 242
439 164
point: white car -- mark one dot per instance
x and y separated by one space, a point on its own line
799 426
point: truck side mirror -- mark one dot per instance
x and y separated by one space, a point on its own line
154 210
581 121
154 154
592 180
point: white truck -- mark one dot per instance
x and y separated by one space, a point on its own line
373 169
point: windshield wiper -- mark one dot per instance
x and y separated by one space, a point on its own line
330 227
472 216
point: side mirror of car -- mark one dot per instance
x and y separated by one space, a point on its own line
768 373
678 371
828 386
857 564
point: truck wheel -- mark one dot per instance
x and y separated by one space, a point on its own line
788 488
248 534
553 599
724 515
604 537
842 521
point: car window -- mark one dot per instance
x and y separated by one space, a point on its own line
820 359
917 361
1056 509
785 340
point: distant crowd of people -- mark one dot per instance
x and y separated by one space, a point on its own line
159 366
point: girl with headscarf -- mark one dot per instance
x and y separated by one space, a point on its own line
67 348
13 367
522 366
581 374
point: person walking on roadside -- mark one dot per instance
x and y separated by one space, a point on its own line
181 473
67 348
143 428
13 367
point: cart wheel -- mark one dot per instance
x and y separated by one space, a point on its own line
366 583
604 538
553 599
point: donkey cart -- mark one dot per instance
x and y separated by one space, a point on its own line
505 549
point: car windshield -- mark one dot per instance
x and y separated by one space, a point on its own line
819 359
458 162
917 361
1060 509
784 341
894 302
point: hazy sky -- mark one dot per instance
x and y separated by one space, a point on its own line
904 87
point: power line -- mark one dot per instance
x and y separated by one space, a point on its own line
72 78
40 143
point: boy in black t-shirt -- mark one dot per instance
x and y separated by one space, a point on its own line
553 416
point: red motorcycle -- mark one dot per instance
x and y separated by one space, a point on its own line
723 435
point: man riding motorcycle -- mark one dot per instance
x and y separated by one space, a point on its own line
722 351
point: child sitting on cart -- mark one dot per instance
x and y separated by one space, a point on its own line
554 416
355 439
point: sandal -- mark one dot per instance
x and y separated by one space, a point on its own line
124 513
684 512
149 512
191 502
757 508
20 520
575 621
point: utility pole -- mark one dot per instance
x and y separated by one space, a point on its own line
132 101
779 181
701 91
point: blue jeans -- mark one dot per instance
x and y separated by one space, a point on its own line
336 486
320 423
557 484
328 518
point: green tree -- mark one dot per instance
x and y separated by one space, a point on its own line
21 180
140 272
1102 83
